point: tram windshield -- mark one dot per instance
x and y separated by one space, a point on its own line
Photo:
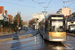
57 26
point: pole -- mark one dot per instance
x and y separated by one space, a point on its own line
0 23
18 25
8 27
44 13
1 26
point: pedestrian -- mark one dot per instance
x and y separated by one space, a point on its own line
19 29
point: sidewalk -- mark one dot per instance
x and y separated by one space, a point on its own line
21 36
6 33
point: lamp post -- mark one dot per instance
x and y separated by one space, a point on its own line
0 23
1 26
8 27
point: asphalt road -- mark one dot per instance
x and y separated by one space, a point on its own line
37 43
32 43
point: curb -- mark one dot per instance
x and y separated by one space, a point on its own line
10 34
7 34
70 34
1 40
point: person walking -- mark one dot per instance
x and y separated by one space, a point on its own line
19 29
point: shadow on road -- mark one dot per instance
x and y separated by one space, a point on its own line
16 45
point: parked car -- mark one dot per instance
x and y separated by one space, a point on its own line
74 31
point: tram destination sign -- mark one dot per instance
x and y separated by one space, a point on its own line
56 17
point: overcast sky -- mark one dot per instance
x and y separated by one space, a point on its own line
29 7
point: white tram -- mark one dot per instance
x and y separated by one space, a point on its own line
52 28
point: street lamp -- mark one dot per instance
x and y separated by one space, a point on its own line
0 23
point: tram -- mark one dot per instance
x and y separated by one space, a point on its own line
52 28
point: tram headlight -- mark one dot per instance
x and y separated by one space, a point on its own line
74 22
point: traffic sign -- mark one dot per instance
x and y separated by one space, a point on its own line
18 21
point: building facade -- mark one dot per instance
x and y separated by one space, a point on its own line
66 11
25 23
6 18
10 19
1 12
39 16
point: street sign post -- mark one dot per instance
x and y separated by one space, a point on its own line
18 21
18 24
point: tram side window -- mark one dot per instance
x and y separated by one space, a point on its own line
46 26
42 28
53 28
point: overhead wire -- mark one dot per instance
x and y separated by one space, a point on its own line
48 5
17 4
63 3
68 1
70 4
37 3
43 6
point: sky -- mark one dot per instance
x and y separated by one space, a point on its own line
29 7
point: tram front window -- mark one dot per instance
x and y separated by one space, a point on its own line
57 26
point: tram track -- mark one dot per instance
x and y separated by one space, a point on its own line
67 46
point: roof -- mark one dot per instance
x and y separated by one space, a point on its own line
5 11
1 9
10 17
